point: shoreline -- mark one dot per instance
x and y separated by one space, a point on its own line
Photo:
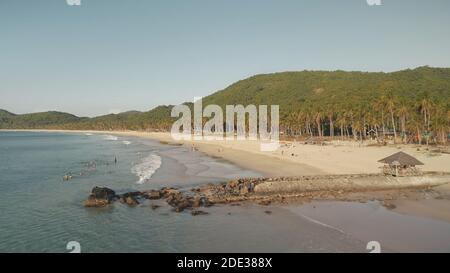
404 200
265 164
294 158
262 163
347 202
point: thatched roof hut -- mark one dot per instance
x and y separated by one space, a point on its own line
401 159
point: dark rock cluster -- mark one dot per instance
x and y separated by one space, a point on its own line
203 196
101 197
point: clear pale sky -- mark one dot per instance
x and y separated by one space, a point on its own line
118 55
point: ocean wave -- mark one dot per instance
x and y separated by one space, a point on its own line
126 142
88 134
147 168
109 137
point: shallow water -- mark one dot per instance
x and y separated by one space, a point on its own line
41 212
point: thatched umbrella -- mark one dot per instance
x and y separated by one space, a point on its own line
401 159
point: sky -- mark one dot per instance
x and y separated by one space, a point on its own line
108 56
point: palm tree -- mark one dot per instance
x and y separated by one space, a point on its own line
373 122
426 106
414 125
440 123
403 112
341 121
300 118
380 107
390 104
318 119
330 118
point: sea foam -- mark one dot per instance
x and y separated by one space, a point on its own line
109 137
147 167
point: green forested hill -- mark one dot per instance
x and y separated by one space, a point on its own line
5 118
5 115
37 120
291 90
155 119
411 104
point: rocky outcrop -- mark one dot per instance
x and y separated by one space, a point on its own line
130 198
95 203
153 195
180 201
100 197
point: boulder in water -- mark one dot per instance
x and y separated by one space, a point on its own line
103 193
131 201
178 201
100 197
130 198
167 192
153 195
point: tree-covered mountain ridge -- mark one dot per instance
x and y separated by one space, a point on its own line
412 104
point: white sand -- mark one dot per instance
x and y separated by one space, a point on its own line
344 158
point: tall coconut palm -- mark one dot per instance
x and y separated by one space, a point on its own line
379 106
390 100
318 118
403 113
426 106
342 122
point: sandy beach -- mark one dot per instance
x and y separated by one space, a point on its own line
293 159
